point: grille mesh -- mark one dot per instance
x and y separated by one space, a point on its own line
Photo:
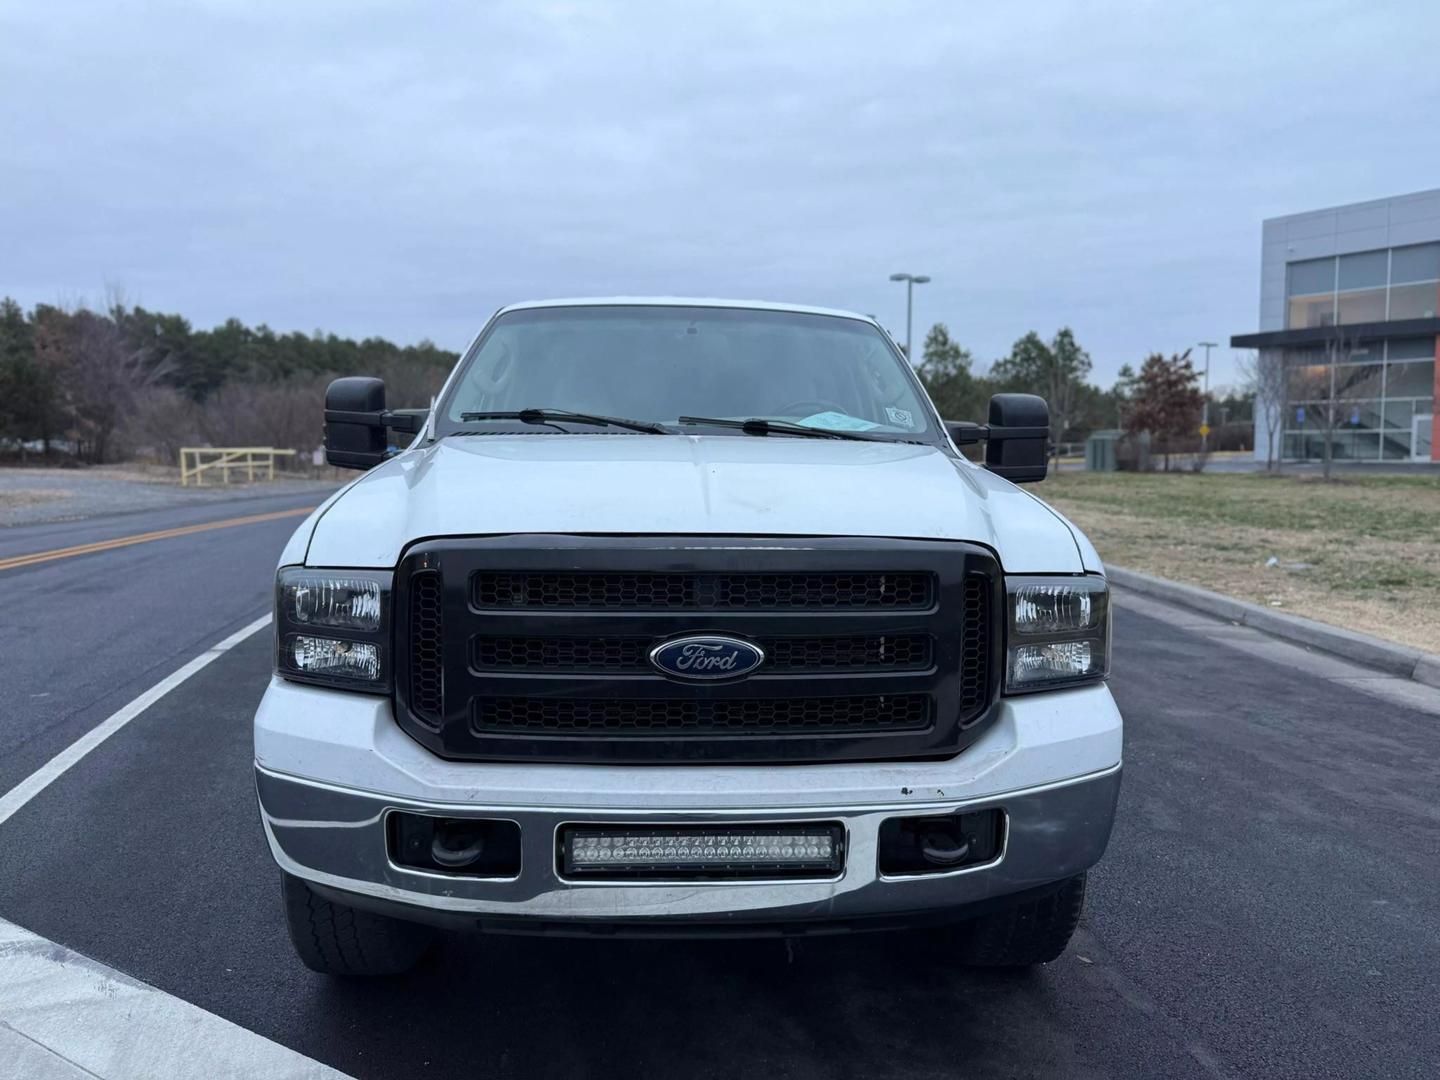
426 683
630 655
647 716
975 647
570 591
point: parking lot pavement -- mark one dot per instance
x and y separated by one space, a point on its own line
1270 905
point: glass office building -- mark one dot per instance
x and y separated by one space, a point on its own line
1350 305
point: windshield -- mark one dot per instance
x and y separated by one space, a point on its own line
662 363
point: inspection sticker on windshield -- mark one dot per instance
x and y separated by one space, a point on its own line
838 421
902 417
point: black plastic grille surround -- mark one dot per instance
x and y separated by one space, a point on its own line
536 648
679 717
575 591
630 655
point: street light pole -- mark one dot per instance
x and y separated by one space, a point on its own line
911 280
1205 416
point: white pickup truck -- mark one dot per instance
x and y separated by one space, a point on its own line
685 617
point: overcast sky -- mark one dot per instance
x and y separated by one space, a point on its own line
404 169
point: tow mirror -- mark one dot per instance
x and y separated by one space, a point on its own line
1016 438
356 421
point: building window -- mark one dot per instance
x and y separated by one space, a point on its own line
1414 301
1366 270
1368 286
1310 311
1366 305
1311 276
1368 401
1418 263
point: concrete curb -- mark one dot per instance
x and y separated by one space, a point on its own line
1386 656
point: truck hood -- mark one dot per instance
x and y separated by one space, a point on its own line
683 484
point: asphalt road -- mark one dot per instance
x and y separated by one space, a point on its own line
1270 905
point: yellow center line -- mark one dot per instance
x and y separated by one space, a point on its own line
17 561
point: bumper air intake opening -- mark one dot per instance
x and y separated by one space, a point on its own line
936 845
473 847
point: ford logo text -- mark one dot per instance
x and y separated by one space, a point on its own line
706 657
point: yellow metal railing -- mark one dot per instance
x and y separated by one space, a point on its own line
196 461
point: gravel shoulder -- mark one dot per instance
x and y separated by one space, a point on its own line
45 496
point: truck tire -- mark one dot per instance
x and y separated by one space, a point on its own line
1032 932
335 939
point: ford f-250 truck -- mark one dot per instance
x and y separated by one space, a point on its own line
685 617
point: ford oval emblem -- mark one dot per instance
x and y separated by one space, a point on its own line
706 656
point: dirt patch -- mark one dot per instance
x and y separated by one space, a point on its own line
1362 552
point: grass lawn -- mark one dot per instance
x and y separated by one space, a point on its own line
1361 552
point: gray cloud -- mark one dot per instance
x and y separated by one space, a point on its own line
404 169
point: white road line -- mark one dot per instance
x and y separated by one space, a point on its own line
65 1016
44 776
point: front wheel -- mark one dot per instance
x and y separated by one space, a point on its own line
336 939
1032 932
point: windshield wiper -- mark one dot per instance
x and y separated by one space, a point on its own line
758 425
549 416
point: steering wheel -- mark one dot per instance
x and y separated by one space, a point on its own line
804 408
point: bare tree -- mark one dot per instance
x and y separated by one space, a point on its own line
1331 388
161 421
1265 376
286 415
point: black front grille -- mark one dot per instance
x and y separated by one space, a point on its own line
536 648
975 648
426 635
644 716
630 655
572 591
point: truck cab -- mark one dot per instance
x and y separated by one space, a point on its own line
685 617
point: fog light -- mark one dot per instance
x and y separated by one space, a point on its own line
737 852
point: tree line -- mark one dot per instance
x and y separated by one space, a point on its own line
122 381
110 384
1162 400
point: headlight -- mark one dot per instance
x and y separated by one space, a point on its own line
333 627
1058 633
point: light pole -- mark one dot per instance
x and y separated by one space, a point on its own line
911 280
1205 416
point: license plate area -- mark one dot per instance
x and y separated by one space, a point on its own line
700 852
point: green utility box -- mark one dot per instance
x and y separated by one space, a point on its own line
1102 451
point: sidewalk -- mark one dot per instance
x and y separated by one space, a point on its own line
64 1016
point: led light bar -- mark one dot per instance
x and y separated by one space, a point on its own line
701 851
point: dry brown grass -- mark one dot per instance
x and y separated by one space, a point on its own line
1361 552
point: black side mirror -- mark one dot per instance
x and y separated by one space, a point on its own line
1019 437
356 419
354 431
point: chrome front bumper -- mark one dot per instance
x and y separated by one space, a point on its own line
336 838
330 766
